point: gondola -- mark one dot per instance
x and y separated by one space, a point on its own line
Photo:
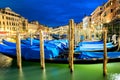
95 46
53 56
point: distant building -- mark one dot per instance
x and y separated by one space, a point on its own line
45 30
10 22
111 16
96 21
86 22
108 14
60 30
80 25
33 26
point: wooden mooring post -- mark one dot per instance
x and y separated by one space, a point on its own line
42 60
18 51
105 54
71 44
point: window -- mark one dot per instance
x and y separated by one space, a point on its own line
12 24
7 23
6 17
118 12
111 10
111 3
104 14
100 8
3 23
2 17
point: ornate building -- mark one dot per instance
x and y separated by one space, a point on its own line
60 30
111 16
107 15
33 26
96 21
86 22
10 22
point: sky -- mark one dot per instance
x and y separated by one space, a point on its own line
53 13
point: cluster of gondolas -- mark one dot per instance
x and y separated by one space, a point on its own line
56 51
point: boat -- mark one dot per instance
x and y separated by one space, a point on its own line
28 52
98 55
52 55
85 58
95 46
62 44
80 61
90 42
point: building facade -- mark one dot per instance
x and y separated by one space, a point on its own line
111 16
60 30
108 16
33 26
86 22
10 22
96 21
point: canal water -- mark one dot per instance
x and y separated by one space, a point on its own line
32 71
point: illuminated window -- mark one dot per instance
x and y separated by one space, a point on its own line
111 3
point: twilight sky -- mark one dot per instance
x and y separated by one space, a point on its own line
52 13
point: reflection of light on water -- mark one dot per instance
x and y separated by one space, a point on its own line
21 75
44 74
72 76
115 76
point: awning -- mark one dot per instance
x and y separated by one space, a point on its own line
3 32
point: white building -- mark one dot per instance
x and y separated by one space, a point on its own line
86 22
60 30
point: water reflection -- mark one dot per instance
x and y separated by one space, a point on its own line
115 76
44 74
104 77
21 75
60 72
72 76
